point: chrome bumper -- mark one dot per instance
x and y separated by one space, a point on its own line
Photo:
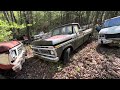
46 58
19 62
108 41
18 66
105 41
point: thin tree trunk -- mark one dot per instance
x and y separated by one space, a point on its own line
14 20
20 17
25 13
6 16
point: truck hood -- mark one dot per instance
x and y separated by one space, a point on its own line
5 46
52 40
110 30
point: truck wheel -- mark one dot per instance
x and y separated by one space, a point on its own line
90 37
66 56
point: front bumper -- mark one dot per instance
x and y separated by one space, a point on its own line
46 58
108 41
104 41
19 62
17 67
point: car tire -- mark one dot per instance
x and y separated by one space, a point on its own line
66 55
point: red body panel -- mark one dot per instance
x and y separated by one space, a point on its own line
6 67
57 37
5 46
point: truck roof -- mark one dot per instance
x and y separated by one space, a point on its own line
67 25
5 46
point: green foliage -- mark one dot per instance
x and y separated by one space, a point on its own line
47 20
5 29
29 24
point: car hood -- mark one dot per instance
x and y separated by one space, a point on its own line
5 46
52 40
110 30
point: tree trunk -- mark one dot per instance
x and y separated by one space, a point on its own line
14 20
21 20
61 17
25 13
6 16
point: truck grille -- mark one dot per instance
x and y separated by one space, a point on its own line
36 50
20 50
107 36
42 51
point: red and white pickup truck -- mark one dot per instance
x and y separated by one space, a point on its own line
12 55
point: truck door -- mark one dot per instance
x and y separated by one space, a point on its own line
86 35
79 36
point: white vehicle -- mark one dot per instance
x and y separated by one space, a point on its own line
110 32
39 36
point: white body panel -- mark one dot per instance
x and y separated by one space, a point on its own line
59 38
110 30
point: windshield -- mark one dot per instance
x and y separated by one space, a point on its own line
112 22
62 31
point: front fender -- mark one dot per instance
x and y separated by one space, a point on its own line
61 49
69 45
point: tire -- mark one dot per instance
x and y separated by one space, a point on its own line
66 55
90 37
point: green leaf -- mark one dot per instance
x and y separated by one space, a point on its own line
29 24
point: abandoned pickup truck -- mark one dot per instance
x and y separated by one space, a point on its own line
110 32
12 55
63 40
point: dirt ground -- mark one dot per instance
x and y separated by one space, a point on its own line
89 61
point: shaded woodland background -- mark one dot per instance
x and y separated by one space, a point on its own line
32 22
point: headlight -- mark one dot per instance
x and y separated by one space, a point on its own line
13 53
52 52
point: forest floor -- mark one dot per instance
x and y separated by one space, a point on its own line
89 61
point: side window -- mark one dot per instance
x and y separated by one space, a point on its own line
76 29
69 30
63 30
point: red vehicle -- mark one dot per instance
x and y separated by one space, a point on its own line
12 55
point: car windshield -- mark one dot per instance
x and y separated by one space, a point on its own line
62 31
112 22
